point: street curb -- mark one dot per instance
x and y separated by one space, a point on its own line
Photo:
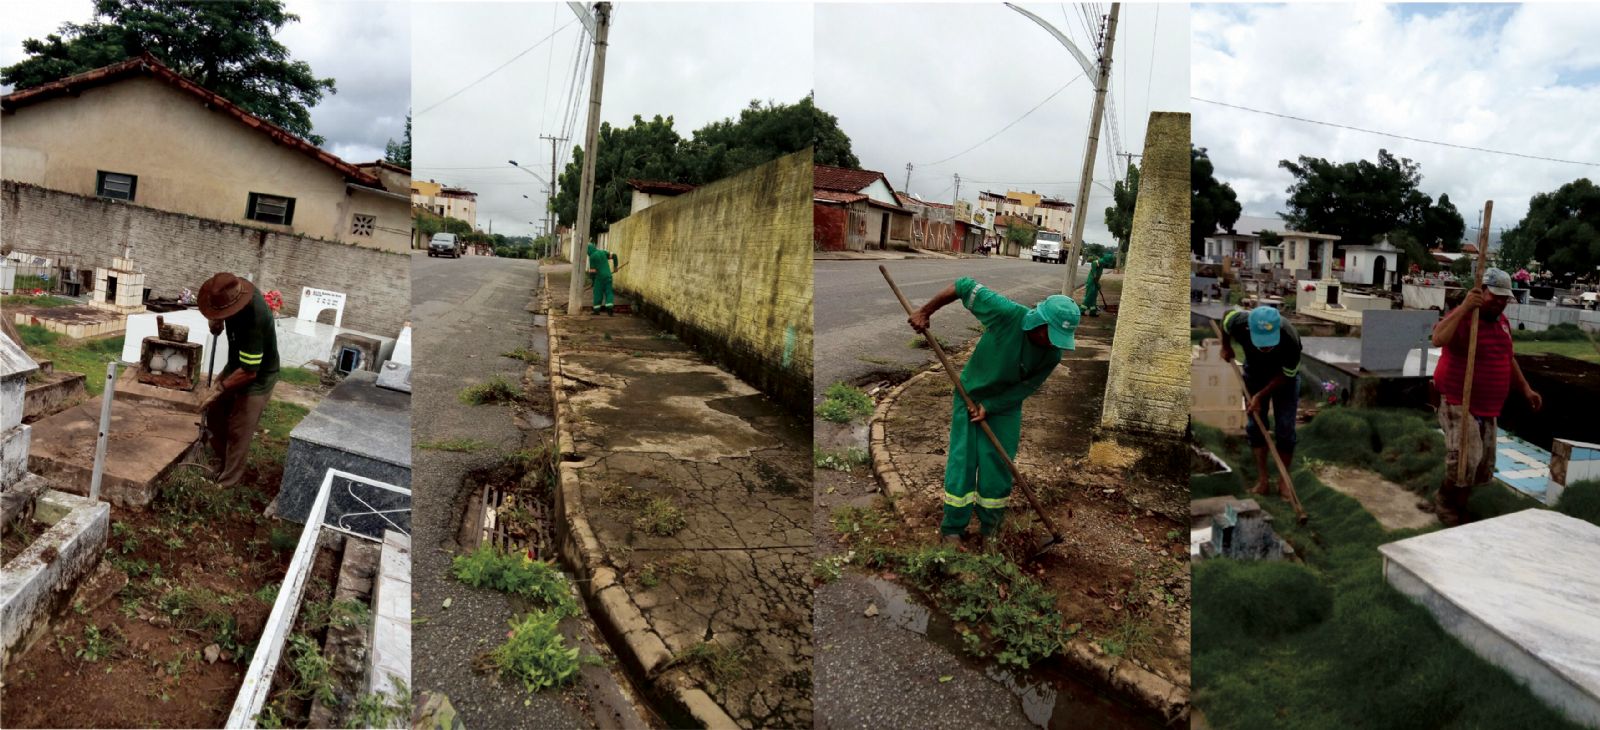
1134 683
608 600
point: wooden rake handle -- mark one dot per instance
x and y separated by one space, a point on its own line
1272 446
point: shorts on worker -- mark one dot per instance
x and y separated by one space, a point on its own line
975 477
1480 447
1279 410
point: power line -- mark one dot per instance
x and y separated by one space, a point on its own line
549 64
1008 126
496 69
1397 136
1150 72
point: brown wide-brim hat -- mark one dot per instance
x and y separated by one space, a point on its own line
223 295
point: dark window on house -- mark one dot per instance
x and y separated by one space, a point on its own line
115 185
270 209
362 225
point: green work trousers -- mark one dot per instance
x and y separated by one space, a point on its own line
975 476
1091 297
602 292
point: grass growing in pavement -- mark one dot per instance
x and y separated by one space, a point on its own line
522 353
1327 643
492 391
660 516
537 580
843 460
724 663
536 654
921 343
457 445
843 403
88 357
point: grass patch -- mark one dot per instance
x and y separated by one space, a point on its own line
844 460
1581 500
724 663
660 516
457 445
381 709
1579 350
495 390
1327 643
303 377
1404 446
48 301
921 343
1564 332
88 357
537 580
843 403
522 353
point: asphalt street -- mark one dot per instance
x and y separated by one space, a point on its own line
861 329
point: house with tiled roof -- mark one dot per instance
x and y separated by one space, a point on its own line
138 133
856 210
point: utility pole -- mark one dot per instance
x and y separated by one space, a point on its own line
550 214
907 187
955 243
1109 39
580 238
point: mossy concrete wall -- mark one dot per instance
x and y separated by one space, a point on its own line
1147 388
727 267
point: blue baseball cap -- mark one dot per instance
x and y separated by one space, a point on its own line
1266 326
1061 314
1497 282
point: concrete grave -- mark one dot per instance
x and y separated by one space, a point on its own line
353 351
142 325
391 631
1495 586
313 302
146 441
1233 528
301 342
1388 336
1216 396
1572 462
358 428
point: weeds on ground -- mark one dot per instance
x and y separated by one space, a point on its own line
536 580
331 614
843 403
465 446
88 357
313 674
493 391
654 572
724 663
96 644
524 354
921 343
302 377
379 709
1134 635
536 653
845 460
660 517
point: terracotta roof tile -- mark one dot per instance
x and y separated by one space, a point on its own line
659 187
825 177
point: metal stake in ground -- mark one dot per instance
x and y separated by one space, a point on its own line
1472 347
955 379
1272 446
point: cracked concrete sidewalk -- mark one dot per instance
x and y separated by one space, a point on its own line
1122 561
684 493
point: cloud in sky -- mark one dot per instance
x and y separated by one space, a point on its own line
1515 78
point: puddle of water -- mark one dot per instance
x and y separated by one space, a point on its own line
1050 699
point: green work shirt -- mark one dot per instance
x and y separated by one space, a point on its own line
253 344
600 261
1006 367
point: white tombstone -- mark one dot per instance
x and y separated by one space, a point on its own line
313 302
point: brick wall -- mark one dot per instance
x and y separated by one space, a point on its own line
178 251
727 267
1148 384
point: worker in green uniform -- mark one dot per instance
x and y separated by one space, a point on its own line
233 410
1091 295
601 264
1018 350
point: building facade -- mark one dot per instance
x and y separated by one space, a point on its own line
139 133
857 210
445 201
1039 211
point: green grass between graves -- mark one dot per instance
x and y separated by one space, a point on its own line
76 356
1327 643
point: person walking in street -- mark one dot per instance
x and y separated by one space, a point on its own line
1091 294
1272 376
1019 348
233 410
601 264
1494 373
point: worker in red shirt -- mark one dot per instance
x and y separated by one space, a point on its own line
1494 372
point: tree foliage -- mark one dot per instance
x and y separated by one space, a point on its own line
1020 233
399 153
1362 201
1561 231
1212 204
227 47
653 150
1119 215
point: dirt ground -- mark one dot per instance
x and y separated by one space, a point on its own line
1122 571
196 569
1393 506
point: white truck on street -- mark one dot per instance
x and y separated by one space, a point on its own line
1047 247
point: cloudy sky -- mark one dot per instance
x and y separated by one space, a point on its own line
363 46
1523 79
695 62
920 83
